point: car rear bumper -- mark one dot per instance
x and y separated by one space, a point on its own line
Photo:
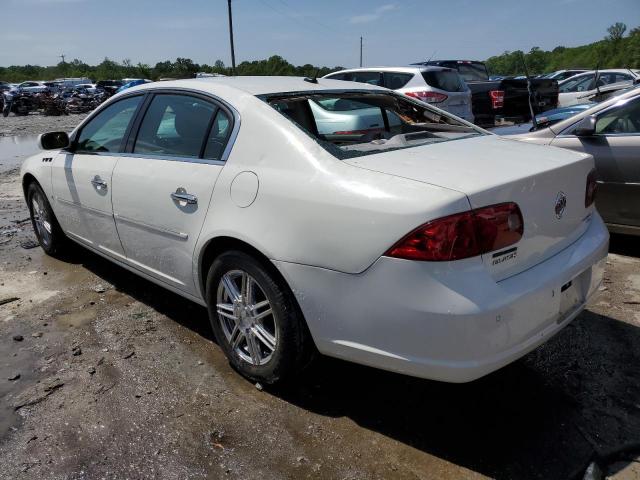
446 321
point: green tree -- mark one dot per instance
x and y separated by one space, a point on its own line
616 31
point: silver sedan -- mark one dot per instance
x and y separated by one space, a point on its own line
610 131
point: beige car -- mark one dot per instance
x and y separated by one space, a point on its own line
610 131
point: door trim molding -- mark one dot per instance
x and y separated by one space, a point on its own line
146 226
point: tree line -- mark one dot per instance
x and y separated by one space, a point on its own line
614 51
181 68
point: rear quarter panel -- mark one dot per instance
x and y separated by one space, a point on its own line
312 208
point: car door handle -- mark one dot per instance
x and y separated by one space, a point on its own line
98 183
181 195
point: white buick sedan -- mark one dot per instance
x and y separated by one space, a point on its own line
416 243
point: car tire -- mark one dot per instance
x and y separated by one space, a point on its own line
45 225
271 348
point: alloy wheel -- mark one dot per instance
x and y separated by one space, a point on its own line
247 319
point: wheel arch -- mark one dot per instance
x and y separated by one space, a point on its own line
28 179
218 245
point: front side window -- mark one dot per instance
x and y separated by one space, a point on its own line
353 124
105 132
621 120
175 125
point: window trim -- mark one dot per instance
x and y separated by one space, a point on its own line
73 144
126 148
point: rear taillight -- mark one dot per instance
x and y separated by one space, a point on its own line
497 98
462 235
428 97
592 188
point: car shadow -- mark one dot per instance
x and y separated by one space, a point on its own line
628 245
546 416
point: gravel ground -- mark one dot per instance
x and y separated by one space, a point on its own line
35 124
104 375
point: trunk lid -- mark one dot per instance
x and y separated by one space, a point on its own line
491 170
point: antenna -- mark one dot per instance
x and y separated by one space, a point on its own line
432 55
313 79
361 52
233 52
526 72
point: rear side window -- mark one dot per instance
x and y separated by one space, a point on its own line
372 78
447 80
175 125
220 131
395 80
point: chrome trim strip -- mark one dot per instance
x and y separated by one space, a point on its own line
170 158
83 207
164 231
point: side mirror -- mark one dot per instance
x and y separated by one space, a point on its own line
586 127
53 140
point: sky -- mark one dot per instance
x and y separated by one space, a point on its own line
320 32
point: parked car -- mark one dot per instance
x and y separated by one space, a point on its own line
434 249
610 131
34 86
110 86
577 88
544 120
442 87
70 83
560 75
507 98
132 83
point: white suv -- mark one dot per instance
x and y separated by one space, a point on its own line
441 87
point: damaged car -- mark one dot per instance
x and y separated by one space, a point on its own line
416 242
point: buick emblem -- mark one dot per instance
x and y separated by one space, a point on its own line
561 204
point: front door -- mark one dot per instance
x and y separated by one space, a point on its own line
162 188
81 178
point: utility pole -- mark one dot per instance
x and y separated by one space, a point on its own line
360 50
233 53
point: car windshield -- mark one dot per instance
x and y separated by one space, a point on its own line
353 124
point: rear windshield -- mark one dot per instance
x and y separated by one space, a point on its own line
447 80
471 72
354 123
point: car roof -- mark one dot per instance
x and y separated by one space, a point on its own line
606 70
225 86
411 69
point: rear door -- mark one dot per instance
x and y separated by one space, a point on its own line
81 178
616 150
163 185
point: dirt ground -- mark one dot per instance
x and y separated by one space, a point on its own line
35 124
104 375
